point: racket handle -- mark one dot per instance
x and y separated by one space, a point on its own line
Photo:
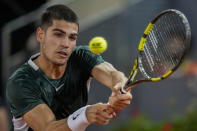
126 88
122 90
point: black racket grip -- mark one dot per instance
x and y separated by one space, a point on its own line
122 90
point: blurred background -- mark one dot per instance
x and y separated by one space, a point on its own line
167 105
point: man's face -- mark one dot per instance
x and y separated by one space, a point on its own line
58 41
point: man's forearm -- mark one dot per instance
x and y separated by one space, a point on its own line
41 118
75 122
60 125
118 77
106 74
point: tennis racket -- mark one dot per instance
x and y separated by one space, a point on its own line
161 49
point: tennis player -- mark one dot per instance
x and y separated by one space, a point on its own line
49 91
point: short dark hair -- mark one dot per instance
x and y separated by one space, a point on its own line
57 12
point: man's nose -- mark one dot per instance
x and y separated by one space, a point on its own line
65 42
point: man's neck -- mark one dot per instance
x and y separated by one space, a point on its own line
50 69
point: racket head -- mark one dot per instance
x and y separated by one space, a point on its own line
162 47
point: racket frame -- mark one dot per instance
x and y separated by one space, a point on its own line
130 82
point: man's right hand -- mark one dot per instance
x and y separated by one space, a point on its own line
99 114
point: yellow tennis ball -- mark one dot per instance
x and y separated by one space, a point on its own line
98 45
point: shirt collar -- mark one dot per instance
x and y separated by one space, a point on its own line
31 63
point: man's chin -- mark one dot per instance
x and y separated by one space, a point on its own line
60 63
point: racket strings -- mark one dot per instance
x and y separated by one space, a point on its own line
165 45
168 35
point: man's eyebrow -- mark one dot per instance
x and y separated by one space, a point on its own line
56 29
74 34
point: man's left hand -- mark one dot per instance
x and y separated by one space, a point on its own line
117 100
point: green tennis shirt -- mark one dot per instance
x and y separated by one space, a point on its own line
29 86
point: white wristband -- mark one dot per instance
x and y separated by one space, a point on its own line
78 120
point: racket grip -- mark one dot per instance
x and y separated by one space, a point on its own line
122 91
125 89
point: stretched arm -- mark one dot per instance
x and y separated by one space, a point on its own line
106 74
41 118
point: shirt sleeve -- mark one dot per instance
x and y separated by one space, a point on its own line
87 59
22 96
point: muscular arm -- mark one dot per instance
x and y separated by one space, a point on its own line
106 74
41 118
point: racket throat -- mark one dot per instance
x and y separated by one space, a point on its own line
133 76
129 82
131 79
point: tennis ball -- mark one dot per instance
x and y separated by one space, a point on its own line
98 45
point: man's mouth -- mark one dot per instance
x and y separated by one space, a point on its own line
62 54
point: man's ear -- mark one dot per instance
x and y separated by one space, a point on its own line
40 35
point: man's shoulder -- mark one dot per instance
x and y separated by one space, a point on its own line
23 73
24 79
81 48
79 52
23 70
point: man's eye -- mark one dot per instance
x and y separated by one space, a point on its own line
73 38
58 35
